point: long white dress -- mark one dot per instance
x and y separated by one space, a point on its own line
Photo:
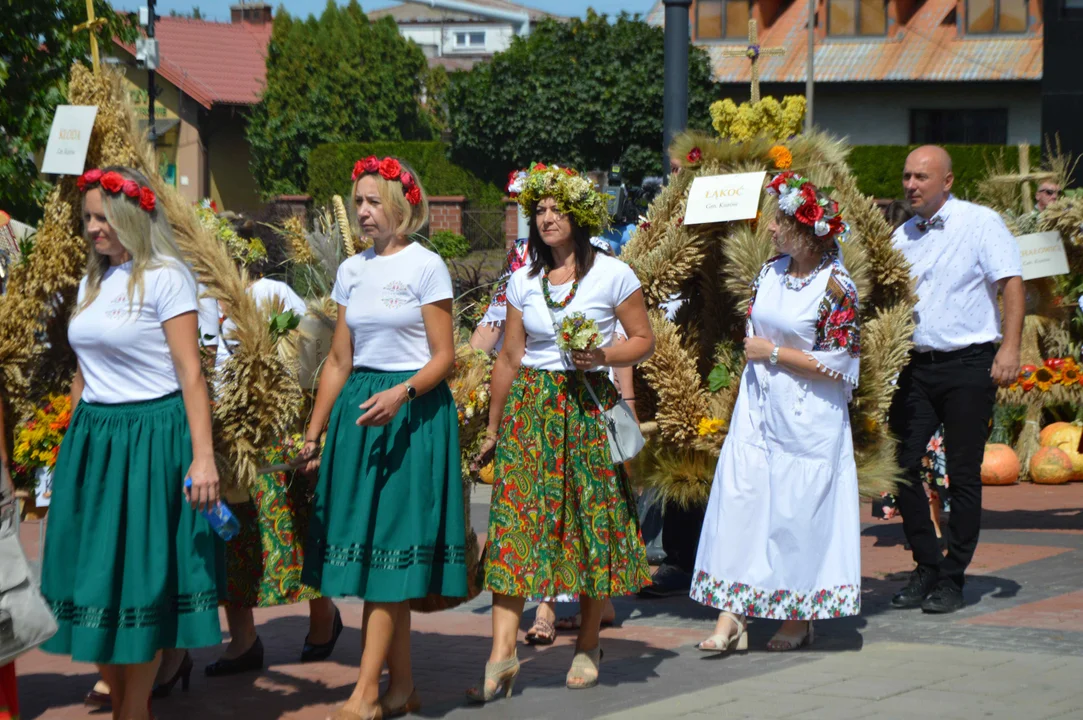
781 536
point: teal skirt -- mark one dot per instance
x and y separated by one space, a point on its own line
387 522
129 567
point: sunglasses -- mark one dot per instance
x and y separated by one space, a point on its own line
1047 191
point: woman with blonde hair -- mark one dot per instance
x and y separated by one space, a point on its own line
562 523
387 522
130 568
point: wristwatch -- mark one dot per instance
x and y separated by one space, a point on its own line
774 356
411 391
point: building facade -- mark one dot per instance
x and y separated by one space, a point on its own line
890 72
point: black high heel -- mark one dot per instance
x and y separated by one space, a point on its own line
252 659
183 674
315 653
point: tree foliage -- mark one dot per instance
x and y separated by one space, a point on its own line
335 78
37 48
587 93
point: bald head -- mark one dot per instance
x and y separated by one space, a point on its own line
927 179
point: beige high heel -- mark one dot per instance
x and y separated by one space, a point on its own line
722 643
584 663
503 674
786 643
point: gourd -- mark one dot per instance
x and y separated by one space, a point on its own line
1000 465
1051 466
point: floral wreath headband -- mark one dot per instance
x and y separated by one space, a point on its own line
389 169
116 184
809 205
574 194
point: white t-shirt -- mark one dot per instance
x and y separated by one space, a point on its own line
122 351
607 285
383 296
208 318
957 268
263 291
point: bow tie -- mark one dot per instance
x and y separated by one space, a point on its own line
936 223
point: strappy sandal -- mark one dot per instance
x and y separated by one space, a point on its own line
412 705
542 633
721 643
584 664
786 643
502 674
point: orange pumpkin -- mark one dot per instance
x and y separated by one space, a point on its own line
485 474
1049 430
1000 466
1066 439
1051 466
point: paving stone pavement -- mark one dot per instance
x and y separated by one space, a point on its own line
1015 651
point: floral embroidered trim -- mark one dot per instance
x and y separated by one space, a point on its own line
389 169
115 184
836 326
516 259
818 604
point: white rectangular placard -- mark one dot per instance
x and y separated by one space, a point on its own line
1043 255
722 198
69 139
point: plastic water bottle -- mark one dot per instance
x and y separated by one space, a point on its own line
220 517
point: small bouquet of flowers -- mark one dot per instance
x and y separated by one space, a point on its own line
37 440
577 332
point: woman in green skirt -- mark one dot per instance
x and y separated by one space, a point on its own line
562 522
387 522
130 567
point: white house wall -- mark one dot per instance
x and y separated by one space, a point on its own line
497 37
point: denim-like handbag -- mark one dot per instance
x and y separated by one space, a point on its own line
25 619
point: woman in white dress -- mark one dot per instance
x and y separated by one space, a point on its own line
781 538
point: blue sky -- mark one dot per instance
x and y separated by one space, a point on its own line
219 9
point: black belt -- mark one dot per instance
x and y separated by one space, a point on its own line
940 356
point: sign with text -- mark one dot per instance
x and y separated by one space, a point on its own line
722 198
1043 255
69 139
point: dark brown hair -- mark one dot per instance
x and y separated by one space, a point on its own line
541 255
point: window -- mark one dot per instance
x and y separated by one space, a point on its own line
959 127
470 39
722 19
856 17
996 16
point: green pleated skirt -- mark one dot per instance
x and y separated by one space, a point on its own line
129 567
387 521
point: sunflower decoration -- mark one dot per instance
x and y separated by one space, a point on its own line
710 426
1045 378
1069 375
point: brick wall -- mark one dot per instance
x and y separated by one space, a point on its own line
511 221
296 205
446 213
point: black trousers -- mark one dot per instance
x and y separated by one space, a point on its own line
954 389
681 528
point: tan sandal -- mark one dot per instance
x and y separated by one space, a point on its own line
542 633
585 663
412 705
786 643
502 674
344 714
721 643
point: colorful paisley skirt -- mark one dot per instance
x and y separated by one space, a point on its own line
264 561
388 522
563 517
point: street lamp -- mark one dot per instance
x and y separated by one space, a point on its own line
675 80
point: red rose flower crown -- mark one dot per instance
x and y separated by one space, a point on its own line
389 169
116 184
809 205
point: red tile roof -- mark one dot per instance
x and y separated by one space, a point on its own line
213 63
925 49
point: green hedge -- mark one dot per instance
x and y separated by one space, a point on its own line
878 168
330 166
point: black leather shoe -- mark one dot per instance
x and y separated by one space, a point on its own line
183 676
252 659
945 598
315 653
922 582
668 580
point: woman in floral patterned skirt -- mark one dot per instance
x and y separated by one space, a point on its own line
781 536
562 522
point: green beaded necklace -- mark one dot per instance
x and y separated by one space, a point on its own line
549 299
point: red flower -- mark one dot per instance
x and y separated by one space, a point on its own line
569 172
407 180
809 213
88 178
146 199
413 195
836 225
390 168
809 191
130 188
694 155
112 181
539 167
370 164
780 180
358 170
1054 363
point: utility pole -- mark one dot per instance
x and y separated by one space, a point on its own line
675 79
152 90
810 70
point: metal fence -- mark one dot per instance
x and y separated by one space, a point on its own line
484 228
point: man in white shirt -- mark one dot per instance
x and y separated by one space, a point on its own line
961 255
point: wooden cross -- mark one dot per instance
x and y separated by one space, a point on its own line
1024 176
753 53
92 25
